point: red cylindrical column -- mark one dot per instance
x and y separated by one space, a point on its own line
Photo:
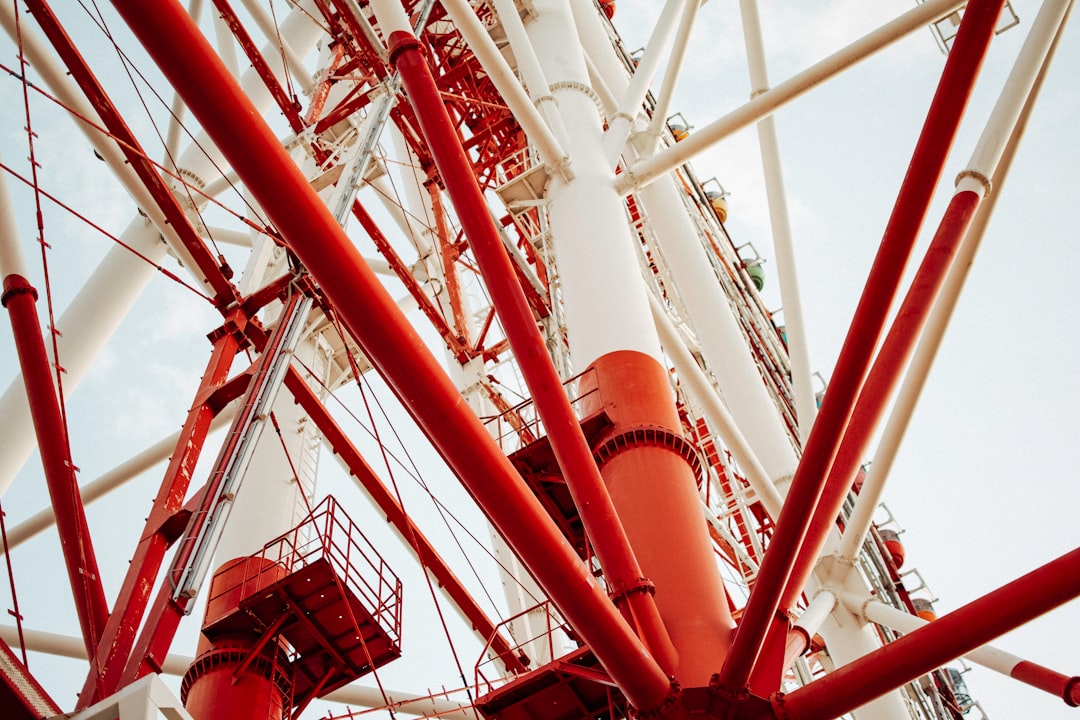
225 682
651 473
935 644
20 299
928 160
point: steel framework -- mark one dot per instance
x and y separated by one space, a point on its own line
476 223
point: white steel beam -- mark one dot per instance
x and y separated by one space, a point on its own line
798 352
768 102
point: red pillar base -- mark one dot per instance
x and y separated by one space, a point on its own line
652 472
212 689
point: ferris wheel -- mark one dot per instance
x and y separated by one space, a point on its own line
450 358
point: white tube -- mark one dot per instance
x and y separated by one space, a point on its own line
622 123
817 612
276 40
1018 87
671 75
12 261
64 88
118 476
715 412
717 327
87 324
391 17
798 352
598 267
878 612
202 162
768 102
549 126
176 110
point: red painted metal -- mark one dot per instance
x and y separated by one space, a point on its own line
290 106
654 489
315 609
20 299
388 341
215 271
21 695
927 163
935 644
170 605
1065 687
119 635
404 273
429 557
884 376
583 479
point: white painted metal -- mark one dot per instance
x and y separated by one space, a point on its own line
622 123
786 269
391 17
720 420
87 324
277 40
249 512
848 637
598 271
11 256
710 314
113 479
98 308
717 328
145 699
875 611
65 89
178 108
671 76
768 102
816 612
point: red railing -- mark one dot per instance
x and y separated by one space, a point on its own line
545 640
521 424
329 533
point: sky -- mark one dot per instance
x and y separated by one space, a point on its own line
985 484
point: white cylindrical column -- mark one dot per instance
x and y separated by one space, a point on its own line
598 270
272 500
721 339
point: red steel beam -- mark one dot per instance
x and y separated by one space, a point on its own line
20 299
579 470
1051 681
927 163
392 345
112 652
884 376
225 292
448 334
427 554
290 107
935 644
